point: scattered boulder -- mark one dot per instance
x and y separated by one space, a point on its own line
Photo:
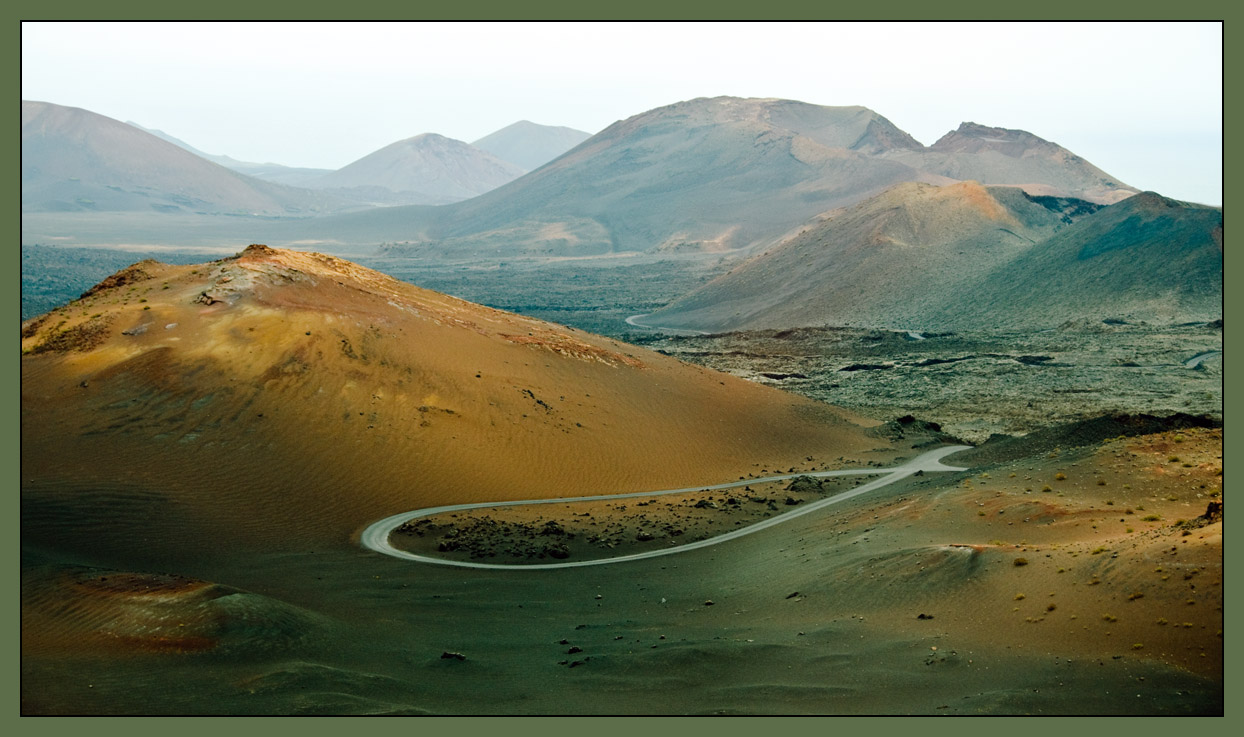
448 655
557 551
803 485
552 528
867 367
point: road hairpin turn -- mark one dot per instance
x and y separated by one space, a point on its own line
376 536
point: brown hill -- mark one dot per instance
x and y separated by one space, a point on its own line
1006 156
883 262
279 399
1148 258
966 256
74 160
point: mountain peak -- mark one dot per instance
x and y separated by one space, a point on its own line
975 138
530 145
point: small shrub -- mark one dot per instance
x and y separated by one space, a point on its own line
1021 562
1151 518
1060 476
1020 597
1109 618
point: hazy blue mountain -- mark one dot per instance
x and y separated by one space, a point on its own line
75 160
426 169
531 145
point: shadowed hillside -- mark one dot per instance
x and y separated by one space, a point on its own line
1148 258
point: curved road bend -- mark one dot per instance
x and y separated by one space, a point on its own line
1200 358
376 536
634 322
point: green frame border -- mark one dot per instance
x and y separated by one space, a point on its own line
1217 10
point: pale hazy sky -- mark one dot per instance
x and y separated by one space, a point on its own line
1142 101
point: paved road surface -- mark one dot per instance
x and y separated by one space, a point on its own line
376 536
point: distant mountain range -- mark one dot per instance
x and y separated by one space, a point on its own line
711 175
428 169
718 175
74 160
966 256
292 175
837 216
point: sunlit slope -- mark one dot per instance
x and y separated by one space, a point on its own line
1015 157
888 261
283 398
965 256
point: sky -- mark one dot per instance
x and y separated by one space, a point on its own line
1142 101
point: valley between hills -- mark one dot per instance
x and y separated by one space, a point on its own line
782 411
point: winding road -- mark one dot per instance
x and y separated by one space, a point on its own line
376 536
